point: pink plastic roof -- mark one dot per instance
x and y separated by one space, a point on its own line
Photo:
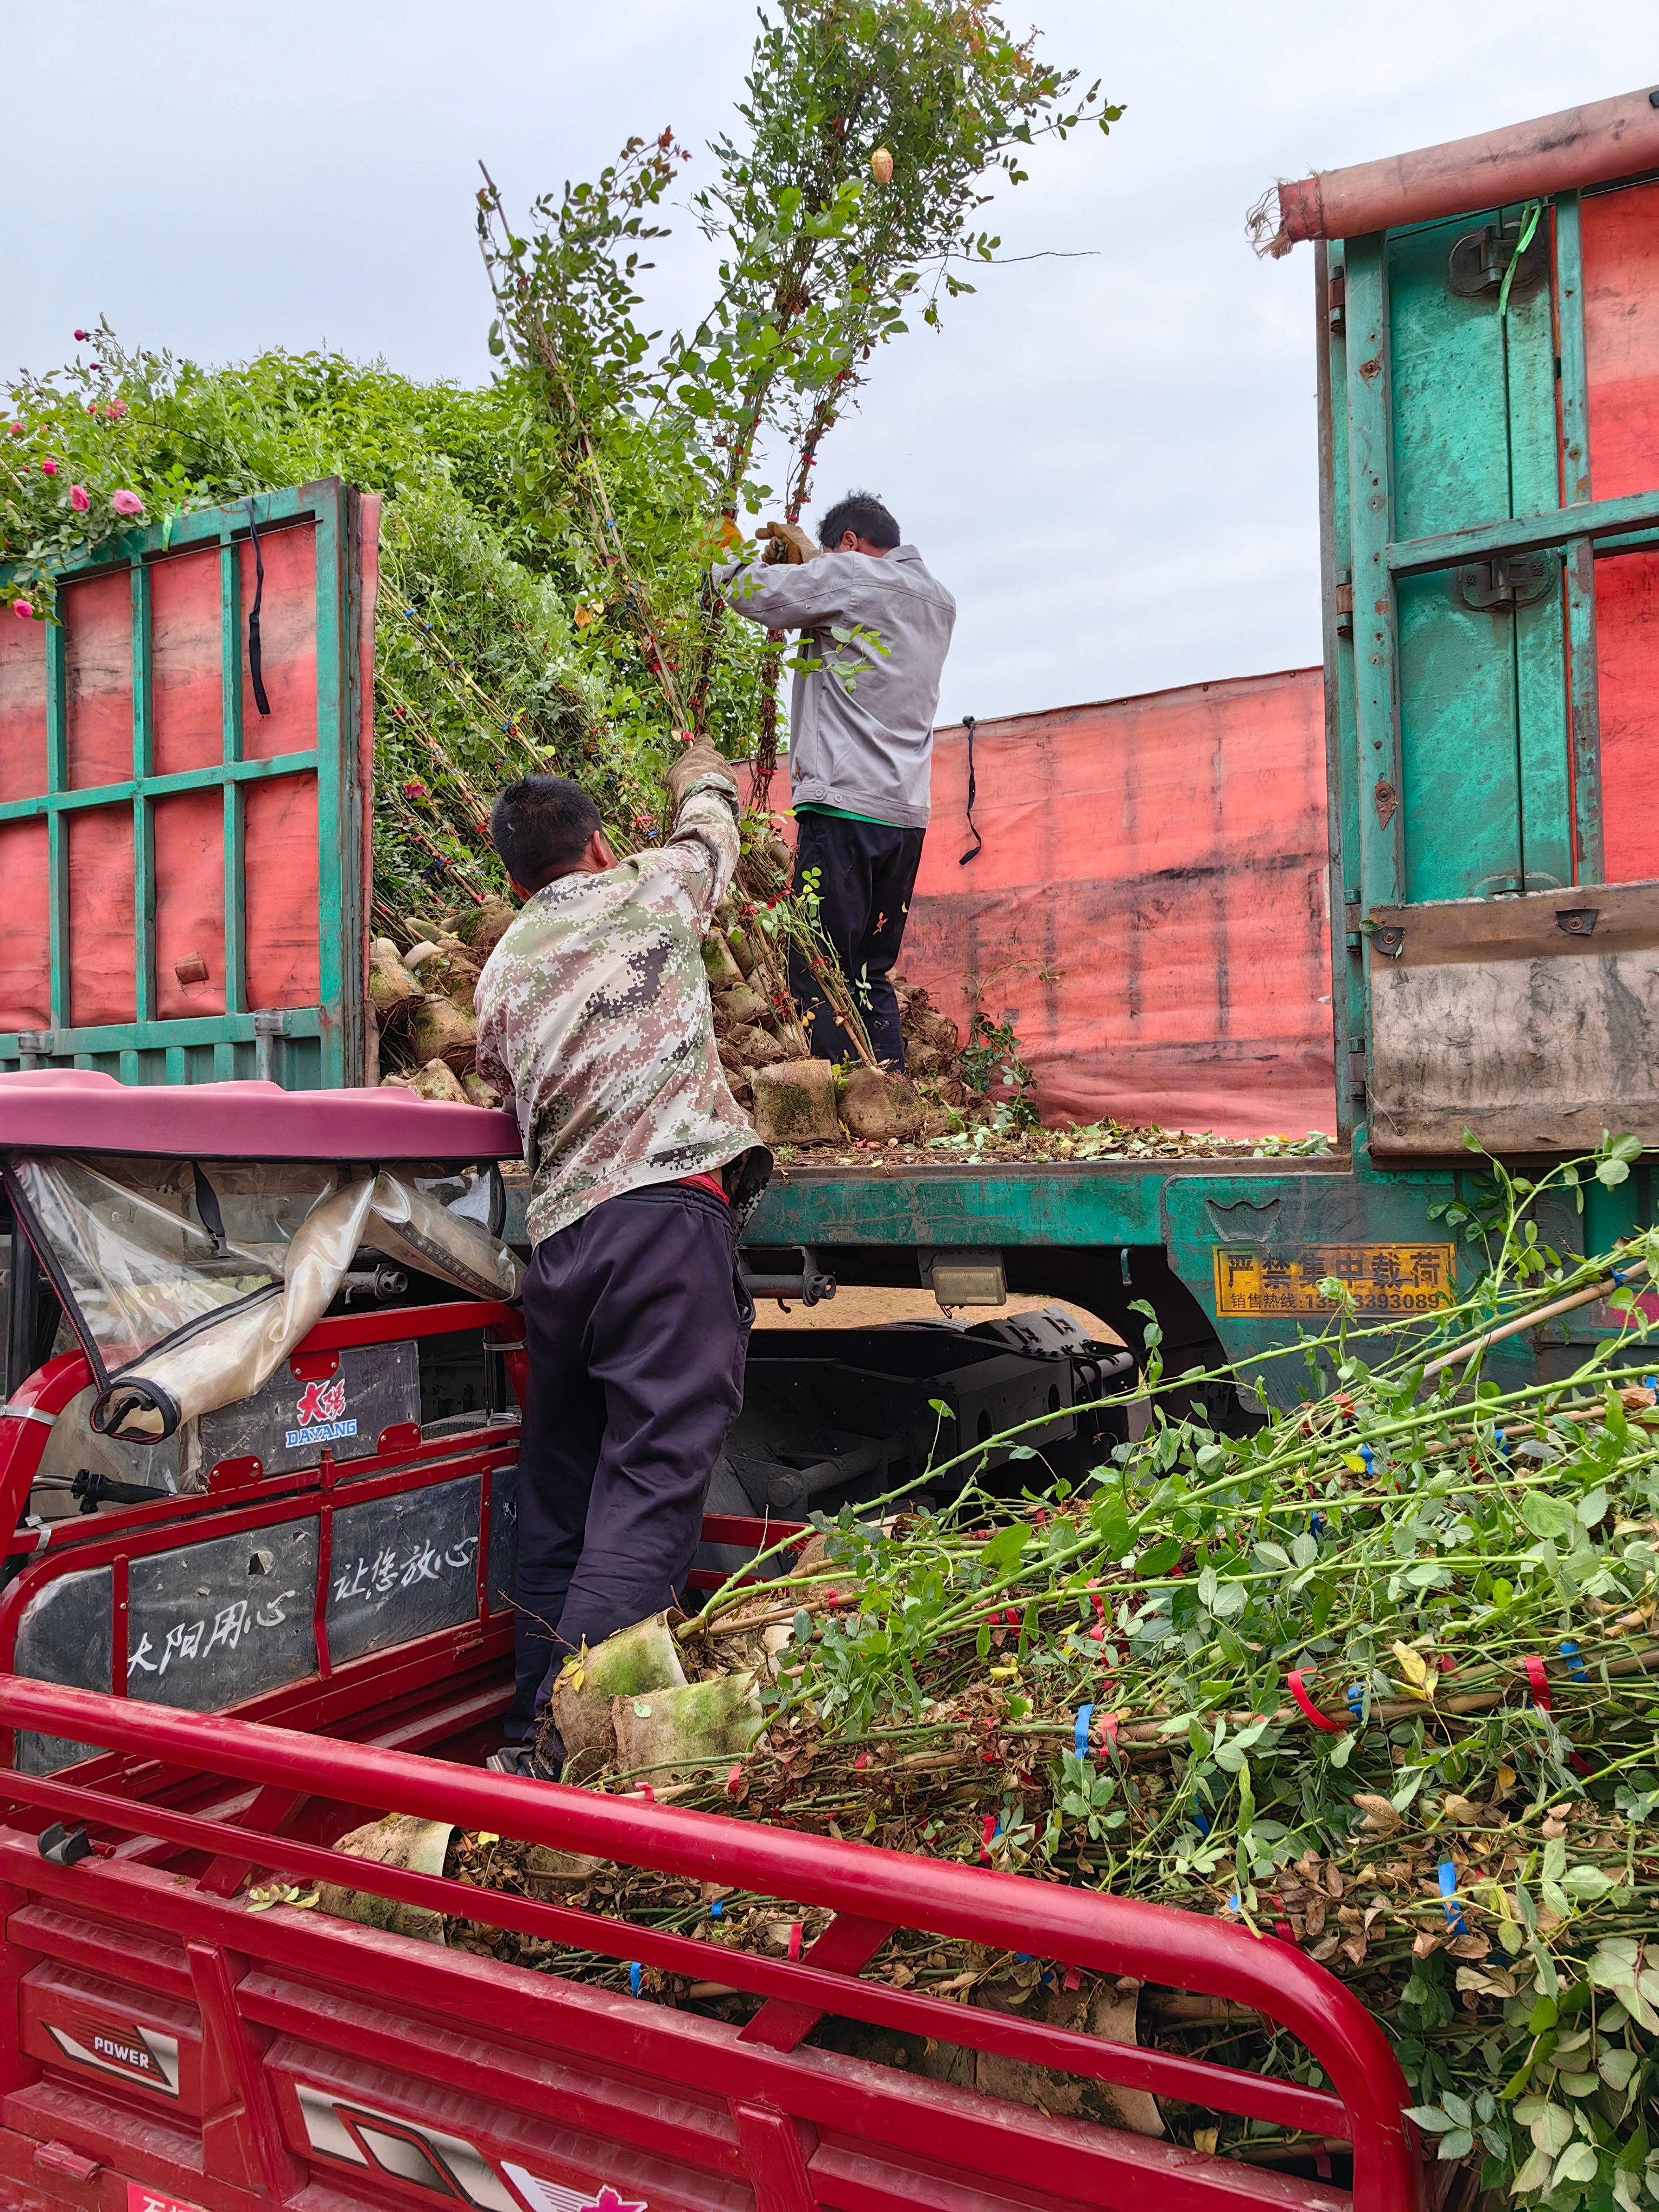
73 1109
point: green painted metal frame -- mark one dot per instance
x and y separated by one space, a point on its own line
1555 796
244 1040
1090 1225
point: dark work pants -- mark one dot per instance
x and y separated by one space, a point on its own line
867 872
637 1329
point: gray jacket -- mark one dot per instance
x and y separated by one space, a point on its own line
861 723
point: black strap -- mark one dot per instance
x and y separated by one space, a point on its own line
207 1205
255 673
970 724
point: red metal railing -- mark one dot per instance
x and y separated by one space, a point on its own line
870 1892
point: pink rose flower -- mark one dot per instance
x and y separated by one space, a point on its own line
126 502
80 498
81 337
16 429
48 468
22 609
115 411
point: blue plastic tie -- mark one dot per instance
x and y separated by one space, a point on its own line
635 1977
1356 1702
1080 1738
1316 1526
1232 1902
1201 1822
717 1910
1370 1458
1651 1381
1024 1958
1576 1666
1453 1911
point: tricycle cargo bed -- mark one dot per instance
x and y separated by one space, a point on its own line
283 1608
179 2048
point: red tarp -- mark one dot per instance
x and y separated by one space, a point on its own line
1150 905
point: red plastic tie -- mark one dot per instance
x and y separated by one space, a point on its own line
1539 1680
988 1833
1108 1729
1310 1710
645 1792
734 1780
1073 1980
795 1939
1284 1930
1322 2163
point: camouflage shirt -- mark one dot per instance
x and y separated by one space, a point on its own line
594 1022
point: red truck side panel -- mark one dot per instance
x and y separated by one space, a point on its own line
1621 357
1149 904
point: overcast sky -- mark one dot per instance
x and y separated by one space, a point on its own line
1110 460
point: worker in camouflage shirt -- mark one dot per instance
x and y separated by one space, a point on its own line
594 1025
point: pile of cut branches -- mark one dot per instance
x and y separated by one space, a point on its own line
1379 1680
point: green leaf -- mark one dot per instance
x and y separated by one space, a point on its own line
1587 1881
1553 2129
1616 2066
939 1406
1430 2117
1005 1548
1535 2175
1458 2144
1548 1517
1576 2163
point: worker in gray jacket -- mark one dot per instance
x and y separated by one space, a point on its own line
875 630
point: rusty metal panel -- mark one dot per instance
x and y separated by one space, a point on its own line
1533 1021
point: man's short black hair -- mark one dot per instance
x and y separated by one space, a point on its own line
863 513
541 826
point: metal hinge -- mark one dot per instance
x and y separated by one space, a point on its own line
1337 299
1345 605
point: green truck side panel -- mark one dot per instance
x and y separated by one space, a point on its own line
1464 737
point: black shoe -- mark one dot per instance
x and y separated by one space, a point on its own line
525 1761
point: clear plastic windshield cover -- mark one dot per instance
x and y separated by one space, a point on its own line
182 1317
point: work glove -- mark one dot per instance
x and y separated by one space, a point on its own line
698 761
788 541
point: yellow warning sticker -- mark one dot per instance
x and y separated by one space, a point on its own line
1384 1278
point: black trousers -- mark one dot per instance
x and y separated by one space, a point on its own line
867 872
636 1328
